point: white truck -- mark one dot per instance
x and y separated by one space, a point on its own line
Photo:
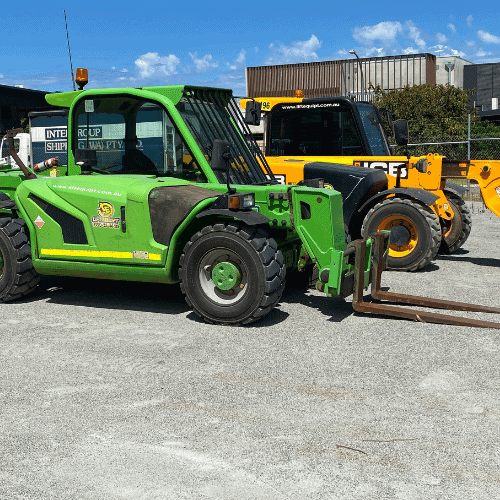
47 138
22 145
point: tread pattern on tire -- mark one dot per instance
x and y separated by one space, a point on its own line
466 221
25 278
432 221
270 256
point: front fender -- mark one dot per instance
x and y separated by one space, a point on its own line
418 194
455 188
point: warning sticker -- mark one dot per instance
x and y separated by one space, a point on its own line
39 222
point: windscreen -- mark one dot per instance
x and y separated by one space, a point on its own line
5 147
374 131
316 129
211 114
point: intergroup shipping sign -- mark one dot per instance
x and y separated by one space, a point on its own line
56 140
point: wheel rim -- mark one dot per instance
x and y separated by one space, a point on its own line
452 228
223 276
404 235
226 275
1 263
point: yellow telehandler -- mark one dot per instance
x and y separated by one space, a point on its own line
306 138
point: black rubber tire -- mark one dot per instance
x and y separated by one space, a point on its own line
425 227
17 275
456 231
257 257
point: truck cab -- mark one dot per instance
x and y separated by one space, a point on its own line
22 145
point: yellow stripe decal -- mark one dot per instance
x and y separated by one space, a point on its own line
93 253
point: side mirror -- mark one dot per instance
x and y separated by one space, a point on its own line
401 132
221 154
221 160
86 159
253 111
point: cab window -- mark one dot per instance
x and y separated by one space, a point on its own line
133 136
313 130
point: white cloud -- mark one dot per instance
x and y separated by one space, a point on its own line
441 38
204 63
410 50
486 37
153 64
298 52
239 61
124 70
446 51
469 20
241 57
482 53
228 80
386 31
452 28
1 76
414 34
374 52
342 54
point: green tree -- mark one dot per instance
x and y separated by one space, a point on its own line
431 110
437 114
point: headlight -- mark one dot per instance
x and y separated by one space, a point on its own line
248 200
242 201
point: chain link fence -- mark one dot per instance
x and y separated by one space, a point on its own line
479 141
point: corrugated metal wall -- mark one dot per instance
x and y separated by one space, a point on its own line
488 84
315 79
484 80
334 78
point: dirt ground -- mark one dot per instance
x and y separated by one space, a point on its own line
116 391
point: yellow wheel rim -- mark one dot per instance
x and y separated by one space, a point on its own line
447 228
404 235
452 228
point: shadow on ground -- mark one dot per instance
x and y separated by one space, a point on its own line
125 295
478 261
337 309
166 299
106 294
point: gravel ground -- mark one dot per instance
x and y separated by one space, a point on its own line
117 391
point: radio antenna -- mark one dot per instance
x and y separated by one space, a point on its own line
69 51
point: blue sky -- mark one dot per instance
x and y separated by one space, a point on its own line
206 43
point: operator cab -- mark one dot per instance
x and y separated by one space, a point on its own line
132 135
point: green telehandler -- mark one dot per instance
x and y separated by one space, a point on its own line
161 186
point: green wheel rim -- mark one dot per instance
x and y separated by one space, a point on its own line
226 275
223 276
